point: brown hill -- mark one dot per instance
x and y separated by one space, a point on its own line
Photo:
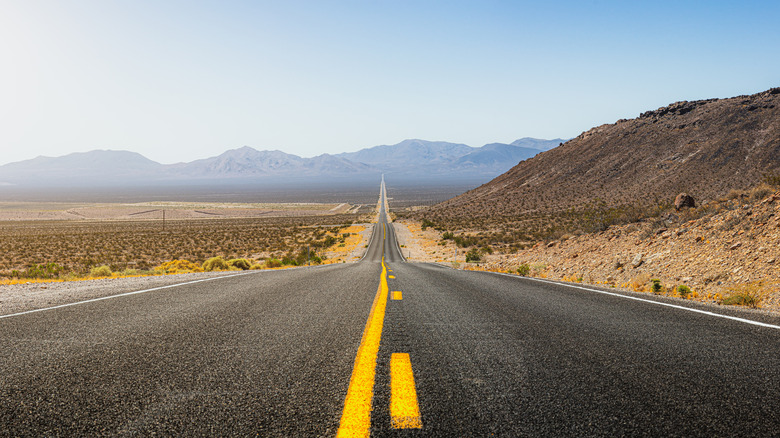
629 169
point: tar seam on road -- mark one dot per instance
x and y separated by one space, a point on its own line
356 418
404 410
674 306
121 295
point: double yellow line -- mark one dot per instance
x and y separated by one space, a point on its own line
404 410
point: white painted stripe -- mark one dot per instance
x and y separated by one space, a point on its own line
644 300
123 295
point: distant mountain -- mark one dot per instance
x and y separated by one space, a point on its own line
438 159
408 154
410 159
705 148
495 156
80 168
536 143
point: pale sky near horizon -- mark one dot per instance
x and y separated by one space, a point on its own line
182 80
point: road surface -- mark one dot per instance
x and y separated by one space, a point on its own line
308 352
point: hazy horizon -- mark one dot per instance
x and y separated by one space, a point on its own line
179 81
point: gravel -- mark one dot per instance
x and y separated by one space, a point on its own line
29 296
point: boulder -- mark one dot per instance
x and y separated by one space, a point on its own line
684 200
637 261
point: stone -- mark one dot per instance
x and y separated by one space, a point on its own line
684 200
735 246
637 261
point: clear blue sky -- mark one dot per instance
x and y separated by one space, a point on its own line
181 80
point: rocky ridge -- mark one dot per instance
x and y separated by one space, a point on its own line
705 148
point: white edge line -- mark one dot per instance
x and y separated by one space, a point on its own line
629 297
122 295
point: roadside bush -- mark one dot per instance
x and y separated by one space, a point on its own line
42 271
683 290
425 224
100 271
178 266
447 235
656 286
273 263
473 256
639 282
524 269
749 295
215 264
242 264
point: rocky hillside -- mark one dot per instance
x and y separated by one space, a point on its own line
729 252
704 148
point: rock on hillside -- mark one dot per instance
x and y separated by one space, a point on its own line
704 148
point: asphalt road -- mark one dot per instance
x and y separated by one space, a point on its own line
271 353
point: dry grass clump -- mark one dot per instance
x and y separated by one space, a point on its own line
640 282
242 264
749 295
100 271
178 267
215 264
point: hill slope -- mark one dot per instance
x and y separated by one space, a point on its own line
705 148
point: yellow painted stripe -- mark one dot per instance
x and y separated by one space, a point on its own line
356 417
392 276
404 410
397 295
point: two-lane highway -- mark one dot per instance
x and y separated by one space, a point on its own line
278 353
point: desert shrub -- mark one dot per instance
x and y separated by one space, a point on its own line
42 271
465 241
215 264
179 266
473 256
273 263
760 192
656 286
639 282
772 179
242 264
683 290
426 223
749 295
100 271
447 235
524 269
289 260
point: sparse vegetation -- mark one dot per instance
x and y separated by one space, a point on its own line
749 295
683 290
473 256
242 264
215 264
100 271
524 269
655 286
59 249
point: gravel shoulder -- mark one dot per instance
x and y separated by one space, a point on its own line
30 296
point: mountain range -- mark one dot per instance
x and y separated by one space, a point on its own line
706 148
415 159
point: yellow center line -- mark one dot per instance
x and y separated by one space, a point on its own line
397 295
392 276
404 410
356 417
